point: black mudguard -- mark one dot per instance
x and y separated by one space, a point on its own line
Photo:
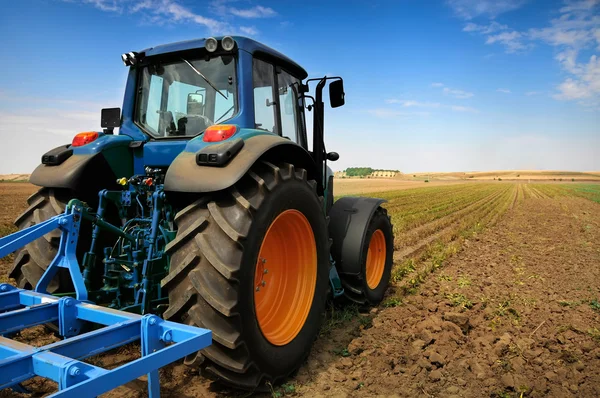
186 175
349 219
84 174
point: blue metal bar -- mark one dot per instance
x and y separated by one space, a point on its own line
27 317
135 369
162 342
9 300
66 257
10 243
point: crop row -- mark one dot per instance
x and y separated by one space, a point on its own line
432 251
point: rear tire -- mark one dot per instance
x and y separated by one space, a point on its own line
214 274
378 258
32 260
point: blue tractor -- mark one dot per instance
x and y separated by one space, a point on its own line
209 207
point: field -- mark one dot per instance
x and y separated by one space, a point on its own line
495 292
508 175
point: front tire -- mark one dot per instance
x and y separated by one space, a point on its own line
376 268
251 264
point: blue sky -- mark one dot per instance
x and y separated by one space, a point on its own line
451 85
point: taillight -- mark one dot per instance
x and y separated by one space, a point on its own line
82 139
219 132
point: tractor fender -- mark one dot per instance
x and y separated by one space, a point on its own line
89 169
349 219
185 175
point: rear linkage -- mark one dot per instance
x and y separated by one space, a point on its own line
133 268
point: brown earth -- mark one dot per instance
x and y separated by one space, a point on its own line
14 177
512 175
512 313
355 186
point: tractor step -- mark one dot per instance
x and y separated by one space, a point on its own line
161 343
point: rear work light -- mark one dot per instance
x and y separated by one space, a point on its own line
219 132
82 139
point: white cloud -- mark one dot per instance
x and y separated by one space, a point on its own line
254 12
387 113
106 5
163 12
576 30
249 30
498 33
411 103
504 90
512 41
460 94
584 84
39 130
579 5
573 32
484 29
459 108
469 9
417 104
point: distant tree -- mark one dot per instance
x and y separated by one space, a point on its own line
358 171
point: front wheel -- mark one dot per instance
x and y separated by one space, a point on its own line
251 264
377 260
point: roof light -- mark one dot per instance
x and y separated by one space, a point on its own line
228 43
82 139
211 44
130 58
219 132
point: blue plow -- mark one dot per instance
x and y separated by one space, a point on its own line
161 342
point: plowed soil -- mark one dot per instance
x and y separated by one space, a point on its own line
513 312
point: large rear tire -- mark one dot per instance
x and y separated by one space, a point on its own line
32 260
251 264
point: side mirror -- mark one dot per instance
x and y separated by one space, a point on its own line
195 103
336 93
333 156
110 118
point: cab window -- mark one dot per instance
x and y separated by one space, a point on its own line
263 77
277 104
287 87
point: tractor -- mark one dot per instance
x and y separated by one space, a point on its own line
208 207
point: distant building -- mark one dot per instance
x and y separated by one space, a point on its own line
375 174
384 174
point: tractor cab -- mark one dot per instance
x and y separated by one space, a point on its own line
184 95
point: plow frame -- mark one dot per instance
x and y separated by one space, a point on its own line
161 342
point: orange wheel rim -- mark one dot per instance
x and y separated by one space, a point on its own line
285 277
375 259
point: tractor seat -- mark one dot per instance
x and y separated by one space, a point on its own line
190 125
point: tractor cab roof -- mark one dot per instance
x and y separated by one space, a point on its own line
245 44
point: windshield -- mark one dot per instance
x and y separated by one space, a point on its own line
184 97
